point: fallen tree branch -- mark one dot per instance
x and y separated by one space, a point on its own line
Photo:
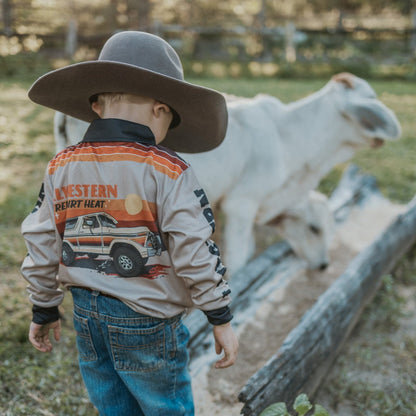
310 348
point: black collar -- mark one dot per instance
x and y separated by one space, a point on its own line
115 130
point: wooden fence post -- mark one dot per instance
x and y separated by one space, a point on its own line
71 40
413 27
6 9
290 52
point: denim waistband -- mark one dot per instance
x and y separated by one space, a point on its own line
96 304
93 291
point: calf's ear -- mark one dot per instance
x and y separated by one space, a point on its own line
276 220
374 119
345 78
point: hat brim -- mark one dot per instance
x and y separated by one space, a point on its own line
203 111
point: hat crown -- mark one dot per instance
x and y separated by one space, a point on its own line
145 51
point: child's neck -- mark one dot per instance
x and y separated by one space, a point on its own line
137 113
149 112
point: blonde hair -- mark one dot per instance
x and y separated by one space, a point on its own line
107 98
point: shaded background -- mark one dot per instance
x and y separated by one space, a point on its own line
283 38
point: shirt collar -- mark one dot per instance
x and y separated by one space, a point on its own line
114 129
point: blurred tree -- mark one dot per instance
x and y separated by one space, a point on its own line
207 13
97 18
343 6
128 14
403 6
351 6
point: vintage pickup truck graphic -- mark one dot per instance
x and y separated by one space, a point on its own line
97 234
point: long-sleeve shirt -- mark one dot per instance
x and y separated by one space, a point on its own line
124 216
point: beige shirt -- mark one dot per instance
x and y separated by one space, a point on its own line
124 216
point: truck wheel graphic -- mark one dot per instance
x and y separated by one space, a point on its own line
128 262
68 255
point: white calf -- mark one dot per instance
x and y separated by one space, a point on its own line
275 153
67 130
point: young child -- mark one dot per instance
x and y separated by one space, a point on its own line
124 225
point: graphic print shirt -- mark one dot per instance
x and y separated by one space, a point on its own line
124 216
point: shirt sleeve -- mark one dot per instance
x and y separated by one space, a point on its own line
40 267
187 218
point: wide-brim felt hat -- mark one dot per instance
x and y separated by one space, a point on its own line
142 64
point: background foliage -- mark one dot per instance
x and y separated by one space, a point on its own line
236 38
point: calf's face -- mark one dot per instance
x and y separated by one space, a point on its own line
372 121
308 228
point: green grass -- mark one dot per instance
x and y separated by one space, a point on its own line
36 384
42 384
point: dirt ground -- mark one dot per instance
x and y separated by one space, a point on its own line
216 391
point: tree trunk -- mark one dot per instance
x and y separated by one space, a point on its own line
111 15
6 9
139 14
340 25
413 28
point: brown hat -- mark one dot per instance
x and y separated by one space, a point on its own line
142 64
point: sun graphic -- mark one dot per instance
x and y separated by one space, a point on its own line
133 204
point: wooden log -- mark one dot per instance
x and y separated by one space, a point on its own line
278 258
309 350
244 284
354 188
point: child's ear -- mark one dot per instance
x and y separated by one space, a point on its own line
160 108
97 108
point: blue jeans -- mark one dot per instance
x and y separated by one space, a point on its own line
131 364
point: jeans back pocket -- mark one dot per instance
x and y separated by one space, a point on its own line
138 349
85 344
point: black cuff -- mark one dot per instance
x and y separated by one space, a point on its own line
219 316
44 316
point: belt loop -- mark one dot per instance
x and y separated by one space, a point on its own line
94 297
